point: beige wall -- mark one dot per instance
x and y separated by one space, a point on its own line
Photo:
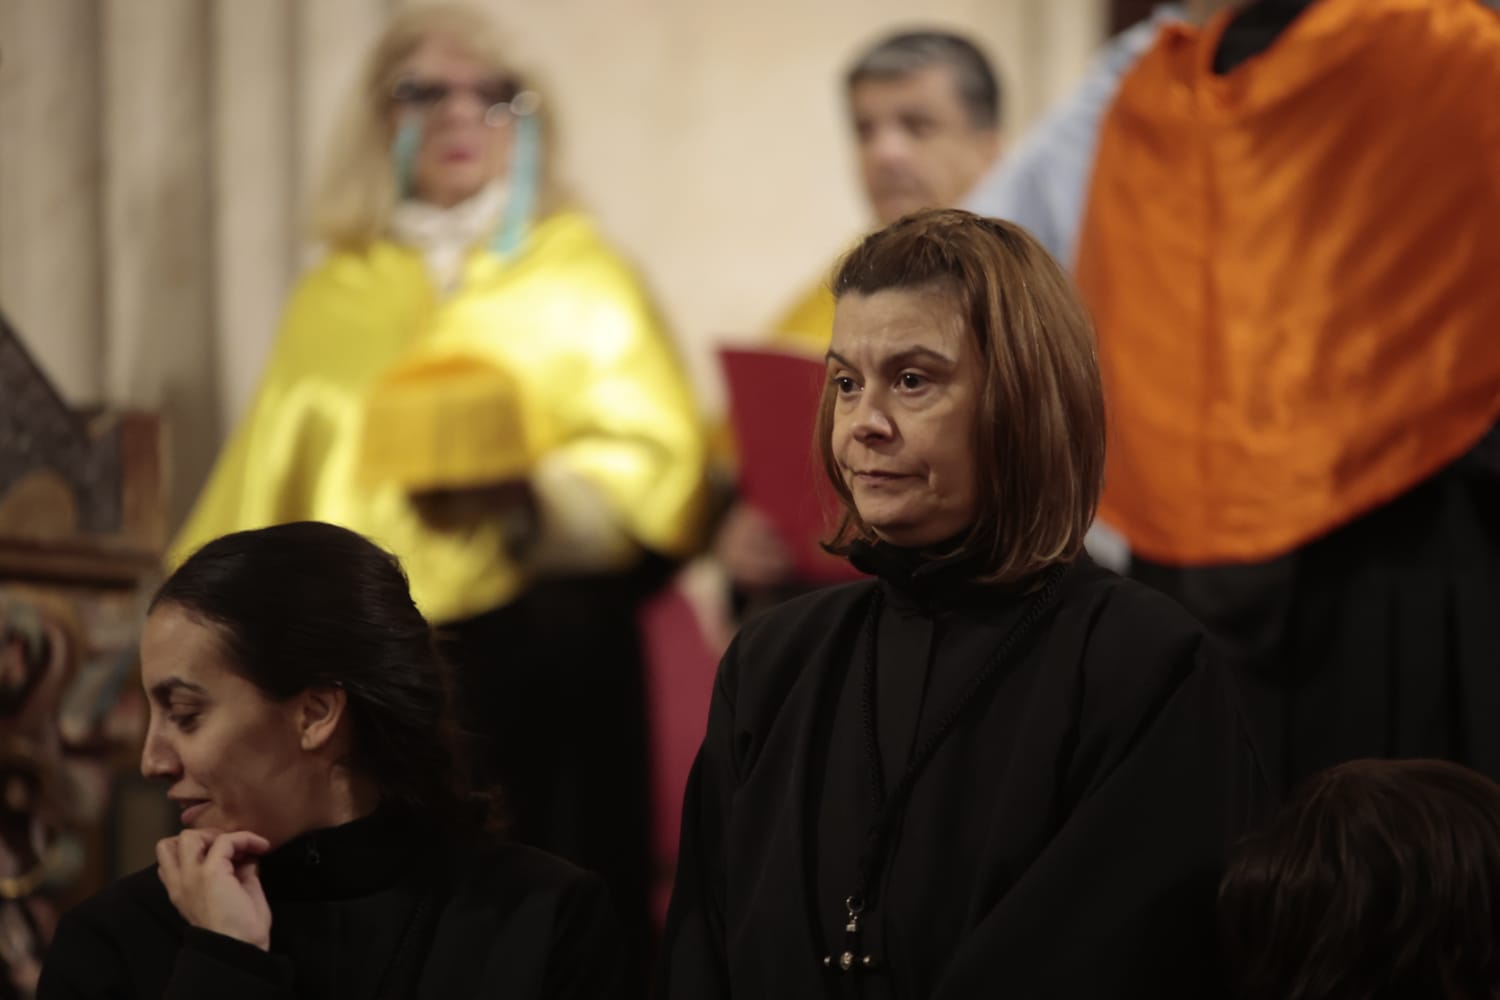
155 156
711 136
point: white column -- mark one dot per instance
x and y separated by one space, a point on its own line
49 199
1069 33
256 235
332 38
158 303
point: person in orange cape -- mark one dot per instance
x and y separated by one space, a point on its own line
1291 253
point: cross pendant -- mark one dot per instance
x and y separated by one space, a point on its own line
850 959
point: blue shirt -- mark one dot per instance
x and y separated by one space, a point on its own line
1042 184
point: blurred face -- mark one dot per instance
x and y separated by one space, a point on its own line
917 146
466 131
232 758
907 377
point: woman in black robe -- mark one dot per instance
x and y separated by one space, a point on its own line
331 848
997 769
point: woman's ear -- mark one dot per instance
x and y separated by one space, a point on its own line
319 710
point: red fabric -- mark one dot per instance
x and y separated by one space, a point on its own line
773 408
680 667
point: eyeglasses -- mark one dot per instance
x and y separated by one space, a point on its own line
501 98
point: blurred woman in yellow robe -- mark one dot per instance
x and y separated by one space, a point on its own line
474 379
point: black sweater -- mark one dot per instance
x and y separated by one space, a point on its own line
380 907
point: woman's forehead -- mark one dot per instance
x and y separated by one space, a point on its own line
897 320
176 644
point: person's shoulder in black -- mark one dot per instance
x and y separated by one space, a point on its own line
114 943
129 941
1139 653
547 928
1130 637
769 652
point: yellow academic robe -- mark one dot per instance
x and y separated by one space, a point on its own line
603 392
808 324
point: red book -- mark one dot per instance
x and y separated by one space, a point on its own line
773 410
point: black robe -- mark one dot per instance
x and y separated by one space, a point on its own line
379 907
1065 839
553 687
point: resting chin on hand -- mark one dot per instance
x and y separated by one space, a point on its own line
214 881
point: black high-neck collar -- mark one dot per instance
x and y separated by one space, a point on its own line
942 577
938 579
354 859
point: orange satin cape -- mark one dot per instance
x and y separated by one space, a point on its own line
1294 270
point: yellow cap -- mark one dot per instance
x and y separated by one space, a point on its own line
445 422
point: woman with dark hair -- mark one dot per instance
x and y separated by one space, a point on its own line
1379 880
331 845
997 768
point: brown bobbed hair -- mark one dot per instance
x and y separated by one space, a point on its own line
1378 880
1040 433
